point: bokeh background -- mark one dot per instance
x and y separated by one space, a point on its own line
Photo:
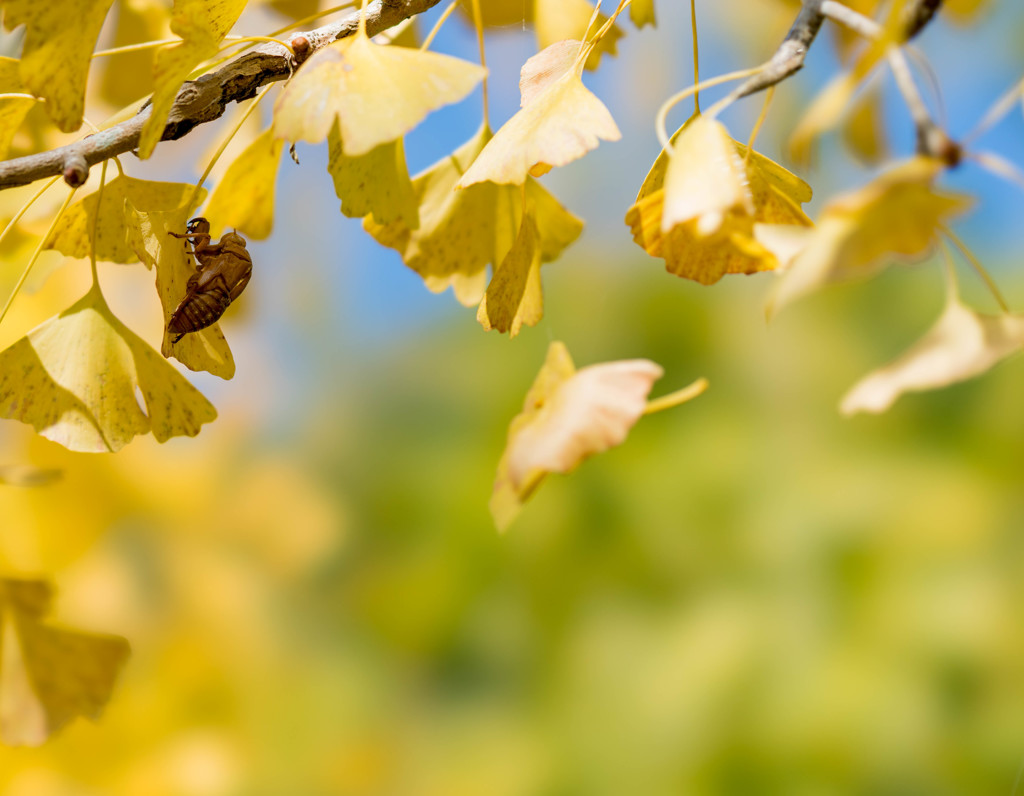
753 595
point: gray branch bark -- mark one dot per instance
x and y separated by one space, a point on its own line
206 98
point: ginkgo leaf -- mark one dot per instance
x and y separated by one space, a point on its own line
863 130
641 12
567 417
73 234
896 216
376 93
74 377
59 39
461 232
514 296
149 235
201 24
128 76
12 109
557 20
377 182
706 179
561 123
244 197
775 196
960 346
49 675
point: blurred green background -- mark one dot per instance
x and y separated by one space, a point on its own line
753 595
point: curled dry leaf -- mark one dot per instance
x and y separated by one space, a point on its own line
375 93
774 195
244 196
59 39
149 235
201 25
74 377
896 216
961 345
560 122
567 417
461 232
49 675
73 234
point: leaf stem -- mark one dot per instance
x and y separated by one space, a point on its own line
36 253
437 25
675 99
95 227
224 145
676 398
131 48
478 22
978 267
768 95
25 207
696 58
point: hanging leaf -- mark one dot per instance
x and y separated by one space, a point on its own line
12 109
514 295
201 24
641 12
128 76
567 417
375 93
461 232
244 197
73 234
896 216
558 124
774 196
73 378
864 130
149 235
961 345
49 675
59 39
377 182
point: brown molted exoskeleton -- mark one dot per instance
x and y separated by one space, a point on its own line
222 272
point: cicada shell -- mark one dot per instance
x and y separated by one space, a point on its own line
223 270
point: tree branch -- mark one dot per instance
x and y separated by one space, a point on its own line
206 98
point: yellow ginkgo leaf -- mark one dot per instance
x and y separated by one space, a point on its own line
12 109
201 24
775 197
49 675
461 232
73 234
961 345
706 179
375 183
128 76
561 123
896 216
557 20
514 296
244 197
567 417
73 378
149 236
59 39
641 12
376 93
500 13
863 130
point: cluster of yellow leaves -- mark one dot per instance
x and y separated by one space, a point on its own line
48 675
567 417
697 209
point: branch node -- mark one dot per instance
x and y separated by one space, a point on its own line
75 170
